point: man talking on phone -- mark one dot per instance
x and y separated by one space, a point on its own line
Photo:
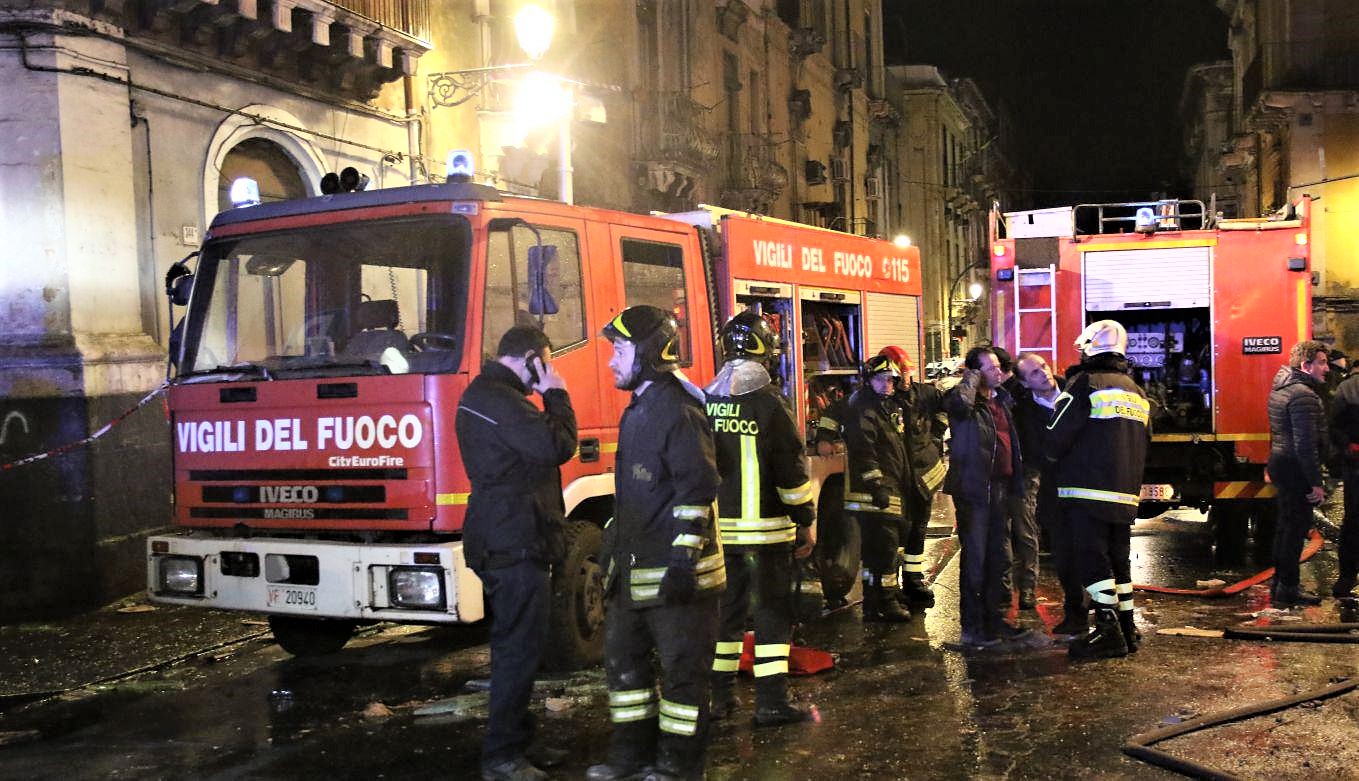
512 533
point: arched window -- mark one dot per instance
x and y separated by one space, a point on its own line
268 164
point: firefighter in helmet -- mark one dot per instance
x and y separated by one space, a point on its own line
764 513
922 407
662 559
874 430
1097 441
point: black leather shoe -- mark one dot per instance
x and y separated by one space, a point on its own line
1343 588
1072 626
724 702
546 756
517 769
779 715
1295 597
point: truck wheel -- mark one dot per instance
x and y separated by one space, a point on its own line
576 636
1230 525
311 636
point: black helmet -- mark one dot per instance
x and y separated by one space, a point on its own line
748 335
878 364
652 330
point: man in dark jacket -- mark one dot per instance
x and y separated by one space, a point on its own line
765 515
1037 506
921 408
513 528
662 559
985 468
1296 442
876 472
1097 443
1344 423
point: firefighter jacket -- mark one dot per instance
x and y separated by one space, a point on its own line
922 406
665 481
1296 422
874 431
1344 423
765 493
512 452
1097 440
972 444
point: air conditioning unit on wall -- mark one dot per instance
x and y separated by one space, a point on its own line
872 188
839 172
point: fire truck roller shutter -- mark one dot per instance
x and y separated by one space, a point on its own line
893 319
1139 279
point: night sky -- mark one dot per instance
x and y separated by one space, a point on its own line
1092 86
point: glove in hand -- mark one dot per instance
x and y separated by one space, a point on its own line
881 499
679 582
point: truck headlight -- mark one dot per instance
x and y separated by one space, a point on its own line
416 587
181 575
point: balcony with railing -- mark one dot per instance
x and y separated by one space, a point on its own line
755 178
348 48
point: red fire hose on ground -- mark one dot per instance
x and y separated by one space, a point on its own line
1314 543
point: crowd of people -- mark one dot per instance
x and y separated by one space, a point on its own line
714 507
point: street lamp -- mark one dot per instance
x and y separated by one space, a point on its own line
533 27
902 240
974 290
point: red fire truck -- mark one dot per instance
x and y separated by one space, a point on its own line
326 342
1211 306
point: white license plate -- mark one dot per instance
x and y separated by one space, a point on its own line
1157 493
291 598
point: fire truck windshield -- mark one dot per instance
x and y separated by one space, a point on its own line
372 297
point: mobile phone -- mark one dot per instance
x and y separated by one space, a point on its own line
532 365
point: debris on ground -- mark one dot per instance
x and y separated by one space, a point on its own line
1210 583
1189 631
137 609
376 710
462 705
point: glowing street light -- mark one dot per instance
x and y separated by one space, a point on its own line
533 26
974 290
902 240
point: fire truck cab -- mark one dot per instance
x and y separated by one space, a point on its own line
1211 307
317 477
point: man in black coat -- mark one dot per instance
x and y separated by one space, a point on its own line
1344 422
512 532
1296 447
985 468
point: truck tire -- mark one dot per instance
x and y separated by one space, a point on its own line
311 636
837 543
576 625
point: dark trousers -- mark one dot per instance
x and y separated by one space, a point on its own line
671 731
759 580
1061 541
984 535
881 536
1102 549
1024 534
1349 531
1293 521
518 597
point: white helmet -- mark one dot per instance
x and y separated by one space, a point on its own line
1103 336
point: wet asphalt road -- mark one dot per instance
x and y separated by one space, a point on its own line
900 703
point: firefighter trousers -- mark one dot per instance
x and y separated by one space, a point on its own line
1102 551
880 535
518 598
1349 530
759 580
915 518
669 731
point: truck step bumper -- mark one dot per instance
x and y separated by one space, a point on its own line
407 583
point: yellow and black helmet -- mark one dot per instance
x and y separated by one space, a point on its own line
653 331
748 335
878 364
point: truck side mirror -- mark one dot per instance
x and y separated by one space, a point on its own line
541 300
178 284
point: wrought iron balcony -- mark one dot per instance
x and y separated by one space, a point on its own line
755 178
678 127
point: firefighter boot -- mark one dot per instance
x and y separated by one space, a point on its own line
880 604
1131 637
1105 641
915 593
631 748
724 701
772 708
